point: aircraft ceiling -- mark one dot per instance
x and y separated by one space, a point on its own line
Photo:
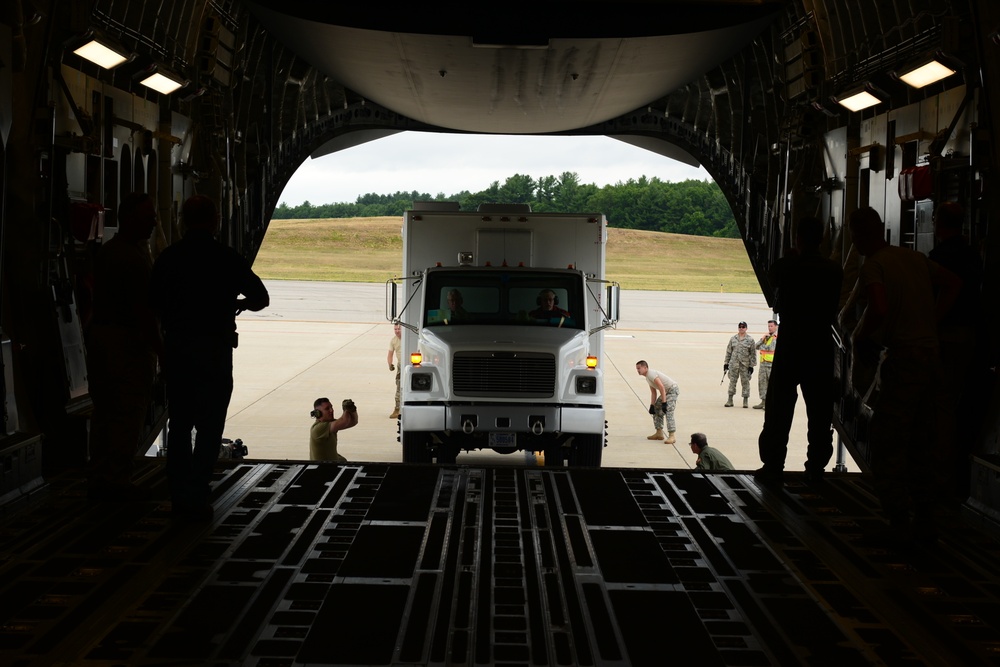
515 68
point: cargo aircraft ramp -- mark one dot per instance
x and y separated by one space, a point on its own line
378 564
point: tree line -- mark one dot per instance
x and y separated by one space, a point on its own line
690 207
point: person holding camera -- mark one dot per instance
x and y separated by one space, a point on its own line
323 433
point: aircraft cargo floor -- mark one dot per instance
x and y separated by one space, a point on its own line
377 564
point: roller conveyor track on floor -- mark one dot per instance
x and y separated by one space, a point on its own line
378 564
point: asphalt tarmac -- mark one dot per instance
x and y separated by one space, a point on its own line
331 339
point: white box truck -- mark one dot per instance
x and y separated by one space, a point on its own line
503 313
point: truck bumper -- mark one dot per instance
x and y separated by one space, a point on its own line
535 419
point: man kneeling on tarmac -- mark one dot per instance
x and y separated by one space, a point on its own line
323 433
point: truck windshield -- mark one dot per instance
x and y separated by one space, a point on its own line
502 296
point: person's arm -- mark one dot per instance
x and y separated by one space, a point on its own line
948 285
878 307
155 301
150 327
865 348
347 419
388 359
255 296
257 299
156 295
659 388
845 316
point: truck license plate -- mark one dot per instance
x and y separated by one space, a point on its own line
503 439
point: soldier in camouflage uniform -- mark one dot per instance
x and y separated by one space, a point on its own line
663 393
741 357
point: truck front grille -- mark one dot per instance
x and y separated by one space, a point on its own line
522 374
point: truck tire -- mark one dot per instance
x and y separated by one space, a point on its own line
555 456
415 449
586 451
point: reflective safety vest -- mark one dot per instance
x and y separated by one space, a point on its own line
767 349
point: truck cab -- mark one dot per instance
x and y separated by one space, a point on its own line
504 344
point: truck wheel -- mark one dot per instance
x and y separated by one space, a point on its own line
586 451
415 449
554 456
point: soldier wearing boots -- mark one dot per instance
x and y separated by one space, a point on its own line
663 393
395 362
741 356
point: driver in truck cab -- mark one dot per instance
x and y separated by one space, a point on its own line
458 311
548 306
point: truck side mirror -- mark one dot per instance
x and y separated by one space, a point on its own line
391 302
614 305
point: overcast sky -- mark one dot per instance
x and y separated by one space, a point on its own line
446 163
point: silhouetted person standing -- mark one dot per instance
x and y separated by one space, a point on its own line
958 334
196 289
122 344
807 292
901 317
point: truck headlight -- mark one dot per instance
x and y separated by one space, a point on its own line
420 382
586 384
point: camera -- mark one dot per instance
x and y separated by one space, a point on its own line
232 449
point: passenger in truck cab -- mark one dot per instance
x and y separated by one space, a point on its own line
548 306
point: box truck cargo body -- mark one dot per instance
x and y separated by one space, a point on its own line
503 313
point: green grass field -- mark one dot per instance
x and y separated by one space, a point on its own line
369 250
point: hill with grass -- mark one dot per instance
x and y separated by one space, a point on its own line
370 250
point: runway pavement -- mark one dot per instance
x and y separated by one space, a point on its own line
330 339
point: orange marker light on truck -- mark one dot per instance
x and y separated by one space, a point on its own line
416 358
591 362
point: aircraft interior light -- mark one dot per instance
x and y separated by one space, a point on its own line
161 83
860 98
926 71
100 53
